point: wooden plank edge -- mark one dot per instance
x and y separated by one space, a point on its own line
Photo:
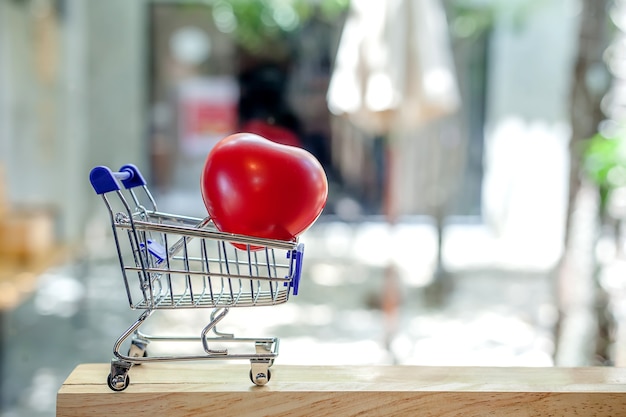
210 389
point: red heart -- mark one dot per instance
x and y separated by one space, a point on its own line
256 187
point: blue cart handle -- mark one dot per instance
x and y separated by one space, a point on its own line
103 180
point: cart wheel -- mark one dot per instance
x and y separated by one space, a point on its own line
261 378
119 382
137 350
134 353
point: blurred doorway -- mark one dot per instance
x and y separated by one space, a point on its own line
219 67
223 67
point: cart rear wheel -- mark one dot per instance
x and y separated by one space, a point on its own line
137 354
119 382
260 378
137 349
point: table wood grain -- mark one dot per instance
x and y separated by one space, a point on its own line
216 389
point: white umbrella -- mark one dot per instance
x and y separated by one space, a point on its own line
394 68
394 74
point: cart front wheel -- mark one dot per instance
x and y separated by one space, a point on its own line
260 378
118 382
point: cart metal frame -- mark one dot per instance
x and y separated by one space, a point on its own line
171 262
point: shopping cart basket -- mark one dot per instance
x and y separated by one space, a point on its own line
178 262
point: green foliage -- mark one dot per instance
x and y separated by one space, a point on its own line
256 24
604 163
471 18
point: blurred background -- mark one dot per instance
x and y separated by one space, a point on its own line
475 153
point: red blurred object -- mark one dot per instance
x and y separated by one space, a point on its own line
273 132
257 187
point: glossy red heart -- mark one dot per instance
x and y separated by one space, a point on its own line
256 187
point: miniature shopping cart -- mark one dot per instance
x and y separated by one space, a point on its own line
179 262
